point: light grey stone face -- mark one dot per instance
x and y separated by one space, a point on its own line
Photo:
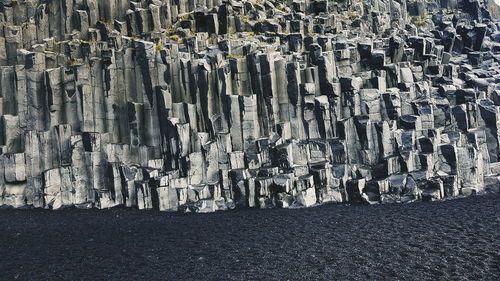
199 106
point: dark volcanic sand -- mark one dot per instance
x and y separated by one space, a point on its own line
451 240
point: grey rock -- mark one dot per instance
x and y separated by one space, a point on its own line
200 106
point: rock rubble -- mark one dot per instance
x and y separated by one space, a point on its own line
205 105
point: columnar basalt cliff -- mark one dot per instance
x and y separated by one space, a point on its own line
205 105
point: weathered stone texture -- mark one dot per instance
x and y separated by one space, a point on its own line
211 105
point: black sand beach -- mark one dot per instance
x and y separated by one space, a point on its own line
452 240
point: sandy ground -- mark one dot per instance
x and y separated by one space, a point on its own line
451 240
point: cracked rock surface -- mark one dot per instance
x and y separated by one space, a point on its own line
206 105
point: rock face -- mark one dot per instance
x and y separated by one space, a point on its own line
205 105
